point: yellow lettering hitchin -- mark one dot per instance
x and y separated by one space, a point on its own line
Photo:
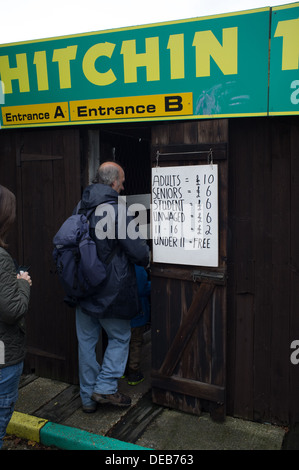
91 73
225 55
148 59
289 30
20 73
63 57
40 62
177 58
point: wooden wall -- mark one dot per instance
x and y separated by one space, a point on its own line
42 168
263 257
263 282
188 305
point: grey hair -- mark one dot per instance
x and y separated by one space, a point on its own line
106 174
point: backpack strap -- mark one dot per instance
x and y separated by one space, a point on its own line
87 213
81 210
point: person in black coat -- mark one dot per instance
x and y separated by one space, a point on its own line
116 302
14 301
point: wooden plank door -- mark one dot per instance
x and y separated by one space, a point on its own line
189 302
48 173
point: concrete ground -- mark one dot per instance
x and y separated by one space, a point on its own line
56 408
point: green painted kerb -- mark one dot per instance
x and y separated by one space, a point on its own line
68 438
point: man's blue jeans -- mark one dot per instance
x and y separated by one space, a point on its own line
94 377
9 385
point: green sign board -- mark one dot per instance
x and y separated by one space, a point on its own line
284 61
207 67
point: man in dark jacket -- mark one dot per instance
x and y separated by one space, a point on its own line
116 302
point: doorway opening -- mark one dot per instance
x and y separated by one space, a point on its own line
130 146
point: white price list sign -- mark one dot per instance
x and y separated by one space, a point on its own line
184 215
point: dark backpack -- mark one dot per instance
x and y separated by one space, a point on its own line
78 266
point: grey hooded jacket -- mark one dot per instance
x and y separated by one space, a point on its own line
14 300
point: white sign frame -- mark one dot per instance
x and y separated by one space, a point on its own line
184 215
